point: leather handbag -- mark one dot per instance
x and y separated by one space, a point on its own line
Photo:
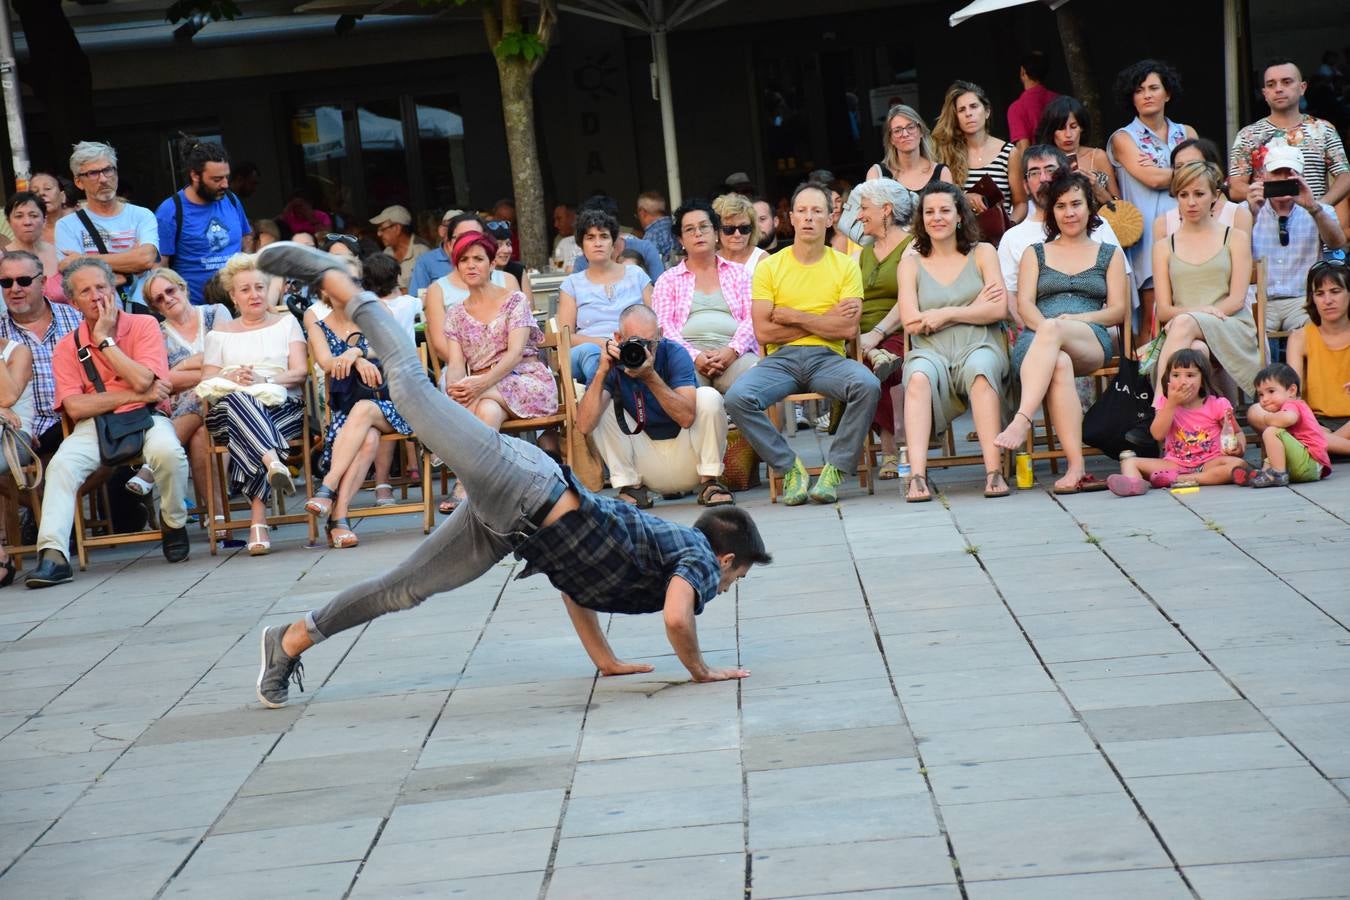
994 220
16 449
121 435
1121 417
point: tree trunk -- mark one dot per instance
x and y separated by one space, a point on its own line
1070 21
59 74
526 181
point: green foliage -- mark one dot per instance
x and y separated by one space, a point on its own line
520 43
215 10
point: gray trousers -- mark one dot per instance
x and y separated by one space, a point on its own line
796 369
507 481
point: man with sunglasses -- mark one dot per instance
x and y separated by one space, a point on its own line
38 324
123 235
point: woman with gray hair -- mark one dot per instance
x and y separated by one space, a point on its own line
909 157
885 210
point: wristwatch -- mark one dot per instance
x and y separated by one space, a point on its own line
106 343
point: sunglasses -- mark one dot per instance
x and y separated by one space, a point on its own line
737 229
499 230
342 239
21 281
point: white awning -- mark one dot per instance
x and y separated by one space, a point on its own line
984 6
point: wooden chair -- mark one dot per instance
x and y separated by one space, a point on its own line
1260 278
1100 378
424 506
221 521
866 475
13 498
556 351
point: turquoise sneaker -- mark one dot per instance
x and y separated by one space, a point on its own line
794 484
827 485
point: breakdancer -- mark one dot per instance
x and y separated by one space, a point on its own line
604 555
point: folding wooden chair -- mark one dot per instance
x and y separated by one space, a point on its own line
13 497
221 521
867 458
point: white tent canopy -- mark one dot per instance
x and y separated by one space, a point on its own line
377 132
984 6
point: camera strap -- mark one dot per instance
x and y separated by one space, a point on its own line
640 413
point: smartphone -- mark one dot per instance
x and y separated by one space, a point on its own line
1286 187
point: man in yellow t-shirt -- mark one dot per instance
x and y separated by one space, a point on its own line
807 302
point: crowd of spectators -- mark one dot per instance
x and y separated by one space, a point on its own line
966 271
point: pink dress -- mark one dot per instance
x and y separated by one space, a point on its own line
528 389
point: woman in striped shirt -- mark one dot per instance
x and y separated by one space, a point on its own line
967 148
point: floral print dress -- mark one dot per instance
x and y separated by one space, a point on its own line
338 417
528 389
1152 202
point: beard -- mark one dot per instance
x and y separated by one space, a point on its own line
207 193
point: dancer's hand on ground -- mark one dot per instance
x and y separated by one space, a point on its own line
619 667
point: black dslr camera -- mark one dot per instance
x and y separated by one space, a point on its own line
633 352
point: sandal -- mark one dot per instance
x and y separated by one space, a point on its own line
341 541
384 501
321 504
451 503
890 467
261 546
279 477
711 489
637 495
993 480
137 485
921 481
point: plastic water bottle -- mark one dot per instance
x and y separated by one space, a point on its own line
1228 437
902 467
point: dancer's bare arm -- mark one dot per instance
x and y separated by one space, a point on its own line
592 636
683 633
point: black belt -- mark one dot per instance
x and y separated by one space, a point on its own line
540 514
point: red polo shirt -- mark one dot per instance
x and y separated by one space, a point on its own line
137 336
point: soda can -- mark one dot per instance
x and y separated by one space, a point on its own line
1025 477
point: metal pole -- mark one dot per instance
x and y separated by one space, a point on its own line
662 58
9 81
1232 102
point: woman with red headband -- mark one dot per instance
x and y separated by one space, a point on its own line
492 367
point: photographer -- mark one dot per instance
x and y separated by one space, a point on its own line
673 433
1288 231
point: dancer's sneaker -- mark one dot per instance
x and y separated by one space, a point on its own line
278 670
297 261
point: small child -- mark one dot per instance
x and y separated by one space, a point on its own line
1188 422
1295 445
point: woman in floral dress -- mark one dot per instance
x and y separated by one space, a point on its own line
493 366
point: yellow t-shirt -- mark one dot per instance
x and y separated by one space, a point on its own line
811 289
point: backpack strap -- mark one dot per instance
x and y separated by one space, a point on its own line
177 220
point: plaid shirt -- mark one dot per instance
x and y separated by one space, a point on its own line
1287 267
611 557
659 234
673 296
65 319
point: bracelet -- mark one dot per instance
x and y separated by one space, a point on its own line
1025 416
881 331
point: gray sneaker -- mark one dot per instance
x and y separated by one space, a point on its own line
278 670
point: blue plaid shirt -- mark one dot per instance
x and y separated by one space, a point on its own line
1287 266
612 557
65 319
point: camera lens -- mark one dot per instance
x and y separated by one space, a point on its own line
633 353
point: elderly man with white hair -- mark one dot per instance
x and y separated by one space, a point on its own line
125 236
1289 230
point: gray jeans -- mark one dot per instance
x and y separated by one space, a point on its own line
507 481
794 369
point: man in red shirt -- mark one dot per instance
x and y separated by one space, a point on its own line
127 351
1024 115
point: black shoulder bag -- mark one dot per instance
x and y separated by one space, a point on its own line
121 435
1121 417
346 392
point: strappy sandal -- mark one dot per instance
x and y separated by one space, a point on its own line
321 504
341 541
921 481
279 477
451 503
710 489
384 501
638 495
991 486
890 467
261 546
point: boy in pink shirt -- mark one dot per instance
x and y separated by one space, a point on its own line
1295 445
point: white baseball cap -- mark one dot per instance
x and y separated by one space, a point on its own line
396 214
1282 156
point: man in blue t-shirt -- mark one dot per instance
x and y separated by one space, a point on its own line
203 225
673 433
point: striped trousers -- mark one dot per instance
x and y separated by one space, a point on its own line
248 430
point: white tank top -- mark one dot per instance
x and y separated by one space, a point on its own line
23 407
452 295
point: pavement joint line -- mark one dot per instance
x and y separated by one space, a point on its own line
900 704
1078 716
1218 670
1337 516
745 775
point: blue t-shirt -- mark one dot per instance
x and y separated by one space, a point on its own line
211 234
676 369
429 266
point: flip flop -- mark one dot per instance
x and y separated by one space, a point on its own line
989 485
638 495
927 494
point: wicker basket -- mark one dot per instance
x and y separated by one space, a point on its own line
740 463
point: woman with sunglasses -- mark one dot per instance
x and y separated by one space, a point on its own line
739 231
703 303
500 231
1320 351
27 217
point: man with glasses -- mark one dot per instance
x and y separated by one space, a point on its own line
806 303
393 226
38 324
124 236
202 225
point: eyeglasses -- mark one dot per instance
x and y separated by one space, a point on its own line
100 174
21 281
701 228
737 229
902 130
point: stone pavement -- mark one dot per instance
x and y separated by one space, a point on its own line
1037 697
